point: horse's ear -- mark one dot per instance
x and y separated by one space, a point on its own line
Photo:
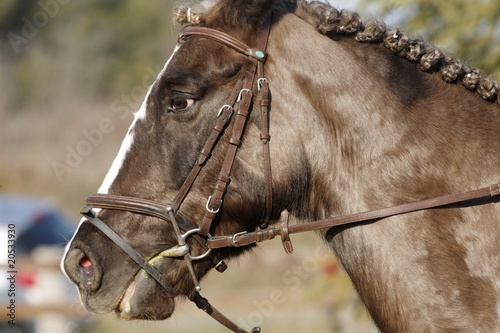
239 14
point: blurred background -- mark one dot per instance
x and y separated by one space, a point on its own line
71 72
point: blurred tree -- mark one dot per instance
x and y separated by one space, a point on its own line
130 37
469 29
11 11
54 49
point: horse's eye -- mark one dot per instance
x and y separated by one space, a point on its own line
180 104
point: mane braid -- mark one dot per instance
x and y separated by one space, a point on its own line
327 19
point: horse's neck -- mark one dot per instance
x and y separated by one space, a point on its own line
372 122
423 267
424 271
374 132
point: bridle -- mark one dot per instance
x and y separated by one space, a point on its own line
237 107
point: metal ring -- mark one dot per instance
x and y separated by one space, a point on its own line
213 211
189 233
201 256
241 92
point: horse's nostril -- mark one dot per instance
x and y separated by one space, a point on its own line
82 270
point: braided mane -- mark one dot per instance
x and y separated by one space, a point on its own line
329 20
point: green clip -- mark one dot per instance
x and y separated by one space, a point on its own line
259 54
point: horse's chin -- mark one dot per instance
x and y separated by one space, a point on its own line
144 299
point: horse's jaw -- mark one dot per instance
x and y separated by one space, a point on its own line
142 299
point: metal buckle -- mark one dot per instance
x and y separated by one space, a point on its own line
241 93
234 242
259 83
210 210
225 106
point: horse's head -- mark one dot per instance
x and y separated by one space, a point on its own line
190 97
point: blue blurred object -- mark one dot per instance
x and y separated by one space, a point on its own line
37 222
41 231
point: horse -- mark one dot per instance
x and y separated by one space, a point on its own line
296 111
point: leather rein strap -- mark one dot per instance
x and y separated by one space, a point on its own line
284 230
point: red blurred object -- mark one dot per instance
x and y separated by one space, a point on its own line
26 279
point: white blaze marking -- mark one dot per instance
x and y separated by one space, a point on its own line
122 153
129 139
120 157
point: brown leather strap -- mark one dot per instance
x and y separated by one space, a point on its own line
138 206
223 118
132 253
263 35
203 304
369 216
264 102
129 204
153 208
215 200
265 137
221 37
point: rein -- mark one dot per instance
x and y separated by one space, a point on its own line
237 107
246 238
